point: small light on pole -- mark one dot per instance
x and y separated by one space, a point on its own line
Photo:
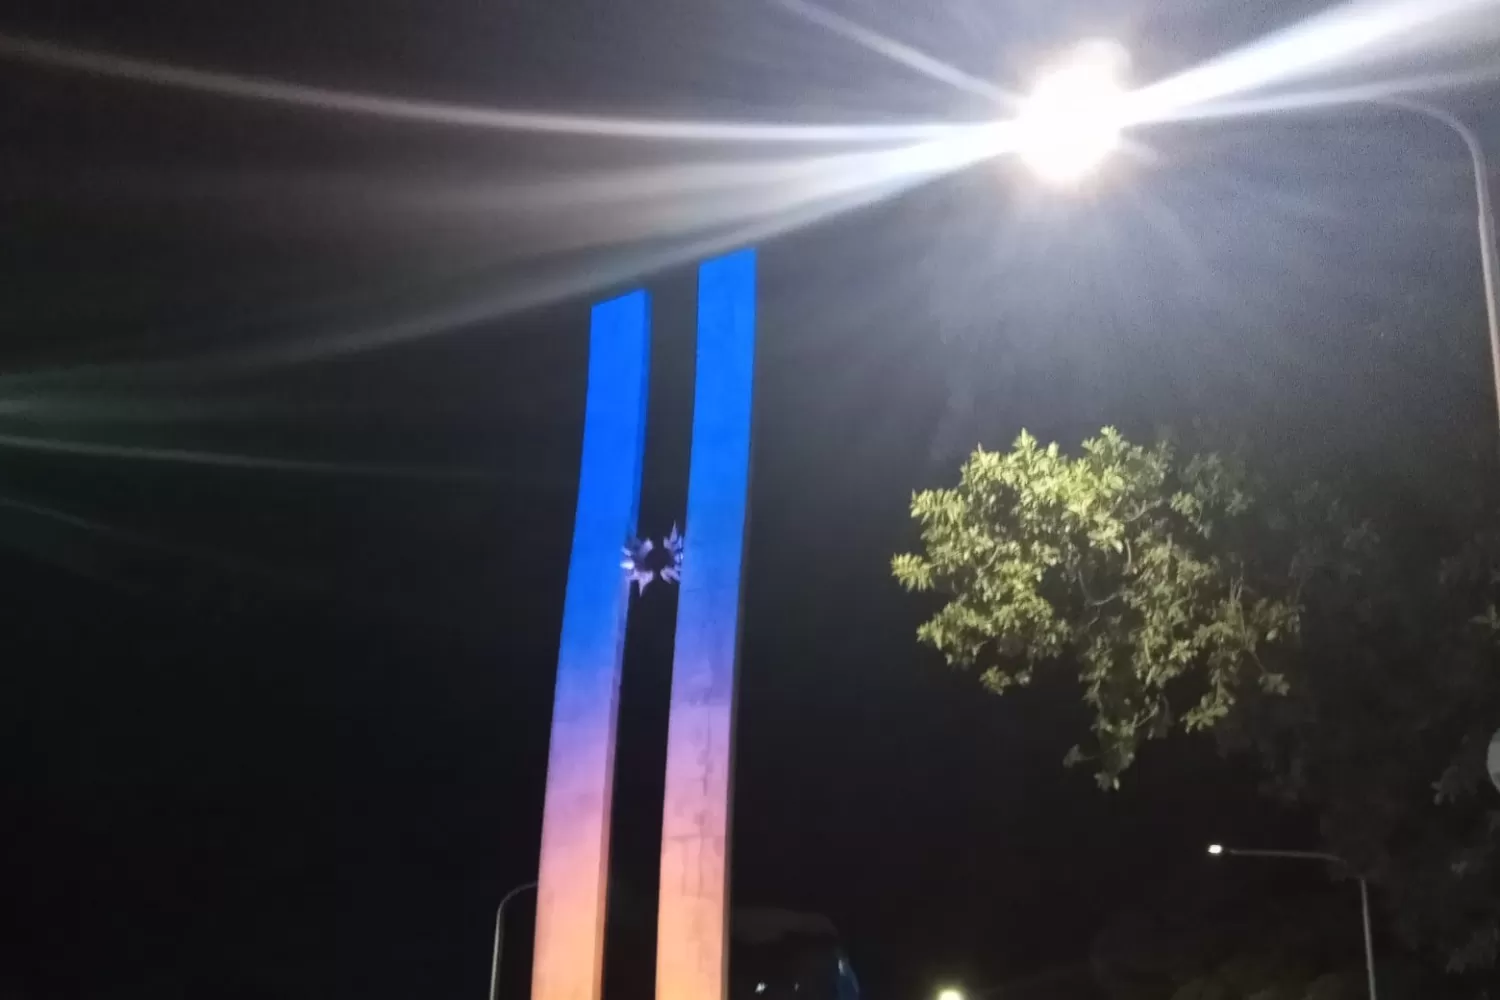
950 993
1216 849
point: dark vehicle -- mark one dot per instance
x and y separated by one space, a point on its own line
781 955
774 954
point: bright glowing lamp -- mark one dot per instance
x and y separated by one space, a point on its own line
1215 849
950 993
1072 119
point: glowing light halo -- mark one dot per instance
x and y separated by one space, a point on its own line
1074 115
1230 84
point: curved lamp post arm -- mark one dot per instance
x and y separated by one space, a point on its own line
1364 891
1300 855
1448 118
500 936
1489 258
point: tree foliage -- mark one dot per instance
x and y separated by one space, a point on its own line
1120 562
1186 593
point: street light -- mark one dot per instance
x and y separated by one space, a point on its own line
951 993
1219 850
500 936
1073 118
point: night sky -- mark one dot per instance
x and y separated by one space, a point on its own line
280 731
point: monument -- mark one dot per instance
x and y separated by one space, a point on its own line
707 562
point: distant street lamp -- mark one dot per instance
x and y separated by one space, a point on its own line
500 936
1073 119
1219 850
958 993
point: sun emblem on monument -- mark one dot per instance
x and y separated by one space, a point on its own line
634 563
643 562
672 571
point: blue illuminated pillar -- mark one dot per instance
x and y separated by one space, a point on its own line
580 763
692 931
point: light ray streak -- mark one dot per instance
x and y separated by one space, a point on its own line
1352 35
763 190
81 564
84 408
231 460
1374 92
898 52
96 527
60 516
843 182
883 174
667 200
216 560
151 72
678 181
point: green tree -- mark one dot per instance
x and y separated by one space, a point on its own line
1186 593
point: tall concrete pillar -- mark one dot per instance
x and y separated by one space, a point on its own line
574 867
692 924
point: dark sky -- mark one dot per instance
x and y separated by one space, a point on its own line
281 732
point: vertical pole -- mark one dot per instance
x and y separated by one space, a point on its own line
574 867
1487 258
1364 902
499 950
495 957
692 925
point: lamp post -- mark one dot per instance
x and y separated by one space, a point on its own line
1075 114
1488 259
500 936
1219 850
